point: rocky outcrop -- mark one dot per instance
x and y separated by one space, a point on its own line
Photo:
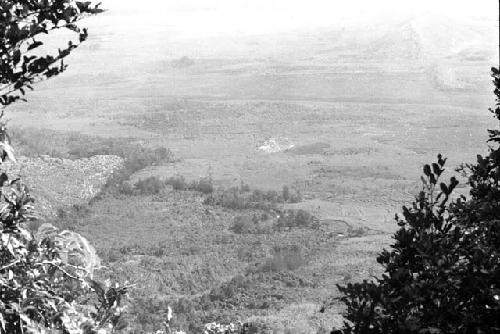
55 182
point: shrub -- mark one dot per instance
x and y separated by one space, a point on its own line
290 195
289 219
244 187
126 188
252 224
204 185
149 186
442 275
153 185
283 259
285 193
46 279
177 182
356 232
135 160
70 217
110 255
242 198
244 224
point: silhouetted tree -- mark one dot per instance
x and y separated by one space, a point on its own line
442 274
22 24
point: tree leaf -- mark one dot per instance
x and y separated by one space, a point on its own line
34 45
427 170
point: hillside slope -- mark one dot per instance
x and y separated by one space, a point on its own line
55 183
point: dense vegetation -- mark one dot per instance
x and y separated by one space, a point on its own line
46 279
442 274
165 262
22 25
258 233
47 275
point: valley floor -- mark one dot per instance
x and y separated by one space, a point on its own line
353 164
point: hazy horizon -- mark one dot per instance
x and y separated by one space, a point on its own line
202 18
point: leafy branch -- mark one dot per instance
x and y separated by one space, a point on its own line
24 20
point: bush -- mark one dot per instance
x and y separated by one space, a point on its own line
46 278
153 185
135 160
296 219
283 259
442 275
290 195
69 218
177 182
244 224
149 186
356 232
252 224
204 185
242 198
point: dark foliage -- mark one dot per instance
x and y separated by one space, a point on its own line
283 259
136 160
242 197
442 274
46 278
46 286
22 24
289 219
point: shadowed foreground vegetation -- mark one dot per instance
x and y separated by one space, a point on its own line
442 274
